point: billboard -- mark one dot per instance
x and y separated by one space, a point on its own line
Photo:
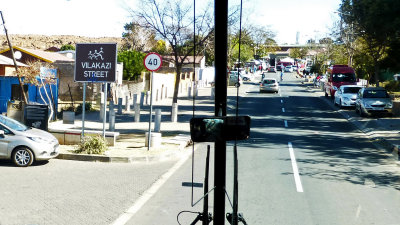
95 62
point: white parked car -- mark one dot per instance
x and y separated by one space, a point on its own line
346 95
23 145
289 69
269 85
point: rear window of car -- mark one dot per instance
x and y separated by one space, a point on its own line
351 89
375 94
269 81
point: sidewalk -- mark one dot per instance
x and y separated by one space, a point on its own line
130 146
384 131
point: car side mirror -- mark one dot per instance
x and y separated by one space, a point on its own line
2 133
226 128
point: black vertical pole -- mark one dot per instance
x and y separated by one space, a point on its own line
221 65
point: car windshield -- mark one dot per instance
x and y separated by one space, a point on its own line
344 77
269 81
375 94
13 124
351 90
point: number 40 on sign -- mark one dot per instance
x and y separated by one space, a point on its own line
152 61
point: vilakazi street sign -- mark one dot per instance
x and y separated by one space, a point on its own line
152 61
96 62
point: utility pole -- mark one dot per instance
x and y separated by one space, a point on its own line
15 62
221 65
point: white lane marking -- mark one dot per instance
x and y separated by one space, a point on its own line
283 109
286 124
296 174
127 215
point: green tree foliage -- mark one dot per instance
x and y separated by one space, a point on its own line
67 47
376 23
133 63
161 48
298 53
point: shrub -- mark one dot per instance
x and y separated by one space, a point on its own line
393 86
88 107
92 145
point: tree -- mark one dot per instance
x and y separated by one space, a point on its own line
298 53
67 47
138 38
173 21
133 63
374 21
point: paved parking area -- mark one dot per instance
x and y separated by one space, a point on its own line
72 192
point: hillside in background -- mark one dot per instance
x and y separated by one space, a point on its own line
44 42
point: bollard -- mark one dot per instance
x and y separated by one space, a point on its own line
136 107
111 117
157 121
156 95
147 97
212 97
127 104
142 99
155 140
189 92
166 92
174 112
162 93
119 112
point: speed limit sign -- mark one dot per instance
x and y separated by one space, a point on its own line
152 61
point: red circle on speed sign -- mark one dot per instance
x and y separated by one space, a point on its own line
152 61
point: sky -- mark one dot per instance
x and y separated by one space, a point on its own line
100 18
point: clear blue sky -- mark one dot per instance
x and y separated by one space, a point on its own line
97 18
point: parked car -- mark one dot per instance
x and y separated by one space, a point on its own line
338 75
269 85
272 69
289 69
24 145
245 77
233 80
346 95
372 101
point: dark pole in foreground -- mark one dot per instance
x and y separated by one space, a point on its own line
15 62
221 56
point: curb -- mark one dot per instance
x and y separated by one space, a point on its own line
121 159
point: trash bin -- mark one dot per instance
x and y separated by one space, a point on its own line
36 115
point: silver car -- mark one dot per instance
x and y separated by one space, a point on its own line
23 145
373 101
346 95
269 85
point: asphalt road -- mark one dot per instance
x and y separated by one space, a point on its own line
304 164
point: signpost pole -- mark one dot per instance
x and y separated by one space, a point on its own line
105 110
83 109
151 111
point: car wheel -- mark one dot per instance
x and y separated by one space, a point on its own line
244 78
22 157
340 104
